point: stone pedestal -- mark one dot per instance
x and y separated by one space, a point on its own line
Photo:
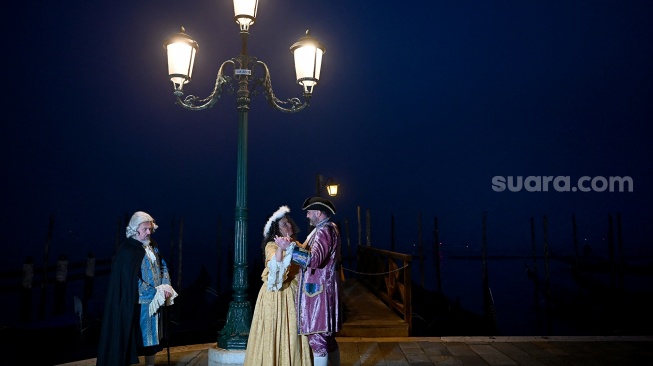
222 357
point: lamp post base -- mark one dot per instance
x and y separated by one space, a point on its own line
222 357
235 333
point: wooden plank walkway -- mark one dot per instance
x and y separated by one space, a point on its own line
367 316
465 351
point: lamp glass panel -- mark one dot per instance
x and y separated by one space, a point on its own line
332 189
245 7
181 57
308 62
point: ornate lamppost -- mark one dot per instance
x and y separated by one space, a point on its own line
249 74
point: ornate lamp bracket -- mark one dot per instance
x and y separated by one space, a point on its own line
295 104
222 84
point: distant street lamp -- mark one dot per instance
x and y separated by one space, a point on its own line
181 51
330 185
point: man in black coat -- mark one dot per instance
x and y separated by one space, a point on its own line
133 297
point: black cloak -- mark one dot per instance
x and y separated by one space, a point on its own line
121 334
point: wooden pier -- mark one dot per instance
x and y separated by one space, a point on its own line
367 316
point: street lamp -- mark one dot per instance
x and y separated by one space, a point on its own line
330 185
248 74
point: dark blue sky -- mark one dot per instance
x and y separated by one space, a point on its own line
416 110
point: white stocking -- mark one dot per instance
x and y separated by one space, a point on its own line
320 361
149 360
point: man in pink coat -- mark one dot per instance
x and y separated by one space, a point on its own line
319 314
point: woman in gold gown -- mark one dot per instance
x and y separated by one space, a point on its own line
273 337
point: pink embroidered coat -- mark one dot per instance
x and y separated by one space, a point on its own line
318 300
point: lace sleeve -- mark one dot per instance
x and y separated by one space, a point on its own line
277 270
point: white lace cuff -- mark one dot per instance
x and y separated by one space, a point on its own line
160 298
276 270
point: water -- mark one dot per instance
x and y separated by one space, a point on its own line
594 306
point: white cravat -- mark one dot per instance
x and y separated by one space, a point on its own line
149 252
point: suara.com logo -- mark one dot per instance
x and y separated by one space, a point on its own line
561 183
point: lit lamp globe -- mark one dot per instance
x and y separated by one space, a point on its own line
308 62
181 56
245 13
332 189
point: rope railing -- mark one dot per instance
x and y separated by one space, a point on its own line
376 273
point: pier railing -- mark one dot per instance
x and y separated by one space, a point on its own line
387 275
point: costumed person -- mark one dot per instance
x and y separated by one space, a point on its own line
139 284
319 312
273 337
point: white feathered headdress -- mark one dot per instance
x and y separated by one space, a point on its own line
278 214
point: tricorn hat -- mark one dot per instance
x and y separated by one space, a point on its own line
319 203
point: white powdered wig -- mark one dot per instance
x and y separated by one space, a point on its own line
278 214
138 218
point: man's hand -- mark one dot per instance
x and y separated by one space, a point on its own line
168 291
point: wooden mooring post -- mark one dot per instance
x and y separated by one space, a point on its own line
368 227
89 279
44 280
574 230
26 290
547 283
620 254
611 255
533 248
489 309
420 249
180 252
358 216
436 253
349 257
61 272
392 232
533 273
218 244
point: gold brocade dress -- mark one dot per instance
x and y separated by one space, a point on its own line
273 338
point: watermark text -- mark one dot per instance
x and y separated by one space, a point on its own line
561 183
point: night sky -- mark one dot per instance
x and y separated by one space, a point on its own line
417 109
